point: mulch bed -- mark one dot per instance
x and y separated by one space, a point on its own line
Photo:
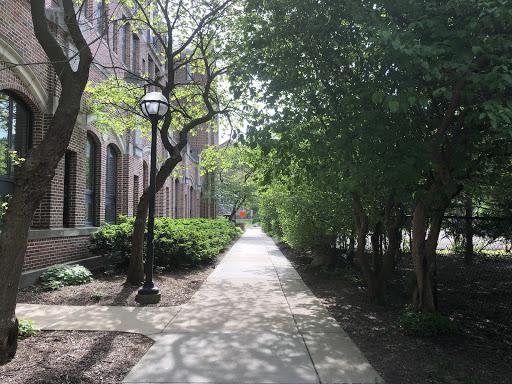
176 287
74 357
477 298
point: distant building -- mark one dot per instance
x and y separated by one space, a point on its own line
102 175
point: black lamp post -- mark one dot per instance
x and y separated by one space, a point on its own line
154 105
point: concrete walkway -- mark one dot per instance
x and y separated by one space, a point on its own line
252 321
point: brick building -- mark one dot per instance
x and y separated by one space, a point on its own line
102 175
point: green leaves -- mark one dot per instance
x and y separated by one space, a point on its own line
393 105
26 328
63 275
235 167
184 242
361 96
378 97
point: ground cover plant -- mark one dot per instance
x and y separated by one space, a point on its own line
62 275
26 328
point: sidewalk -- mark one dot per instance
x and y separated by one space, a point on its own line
253 321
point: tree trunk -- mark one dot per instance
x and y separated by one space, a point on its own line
13 244
323 254
468 250
32 180
394 220
376 240
424 257
236 206
34 176
351 248
361 223
135 274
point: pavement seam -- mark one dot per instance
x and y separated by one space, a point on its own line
172 318
293 317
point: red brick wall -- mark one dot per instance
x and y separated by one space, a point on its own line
47 252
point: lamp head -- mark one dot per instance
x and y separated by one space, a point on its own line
154 105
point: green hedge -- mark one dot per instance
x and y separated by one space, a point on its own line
185 242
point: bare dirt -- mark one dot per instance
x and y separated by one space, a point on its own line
74 357
477 298
176 287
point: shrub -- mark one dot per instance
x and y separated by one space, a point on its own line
96 296
425 324
26 328
113 238
182 242
62 275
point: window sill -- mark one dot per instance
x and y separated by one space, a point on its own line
41 234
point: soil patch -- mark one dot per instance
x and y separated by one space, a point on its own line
75 357
480 352
176 287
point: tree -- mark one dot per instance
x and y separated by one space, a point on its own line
398 102
34 175
190 34
235 170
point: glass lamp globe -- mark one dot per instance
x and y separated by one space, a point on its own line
154 104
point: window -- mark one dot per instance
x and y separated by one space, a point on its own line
15 135
167 202
111 186
85 9
100 17
69 172
115 37
191 204
135 53
188 71
151 68
145 176
143 66
90 181
124 41
176 186
135 194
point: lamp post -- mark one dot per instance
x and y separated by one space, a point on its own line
154 106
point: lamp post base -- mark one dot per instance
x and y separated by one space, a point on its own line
148 295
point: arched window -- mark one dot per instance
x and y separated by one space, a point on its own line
167 202
15 135
111 186
145 175
90 181
191 204
100 17
175 199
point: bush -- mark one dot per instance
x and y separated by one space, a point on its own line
425 324
113 238
62 275
178 242
26 328
304 216
96 296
